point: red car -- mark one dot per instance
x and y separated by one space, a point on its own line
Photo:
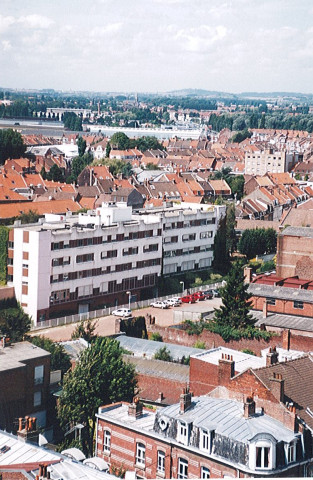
199 295
188 299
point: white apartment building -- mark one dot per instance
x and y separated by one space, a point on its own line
188 232
78 263
259 163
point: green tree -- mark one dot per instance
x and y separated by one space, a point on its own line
29 217
233 320
43 173
151 166
120 141
163 354
78 165
60 360
100 377
55 173
237 183
14 323
11 145
85 329
231 239
81 143
108 150
221 253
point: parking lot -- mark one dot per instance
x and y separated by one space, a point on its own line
106 325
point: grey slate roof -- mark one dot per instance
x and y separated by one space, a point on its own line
140 347
157 368
298 232
282 293
284 321
226 418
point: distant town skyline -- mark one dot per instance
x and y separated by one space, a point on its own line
157 46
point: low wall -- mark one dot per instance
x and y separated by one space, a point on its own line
295 340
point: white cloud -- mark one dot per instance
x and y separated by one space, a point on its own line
6 45
5 23
35 21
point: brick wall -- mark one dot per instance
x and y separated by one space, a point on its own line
6 292
123 452
151 387
298 340
294 257
283 306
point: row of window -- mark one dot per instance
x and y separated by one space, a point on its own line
188 251
189 223
296 303
85 242
95 272
89 257
140 459
188 237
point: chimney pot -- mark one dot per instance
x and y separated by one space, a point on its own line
249 407
265 309
185 400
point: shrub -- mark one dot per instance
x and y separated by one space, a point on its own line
156 337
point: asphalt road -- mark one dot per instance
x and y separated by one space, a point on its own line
106 325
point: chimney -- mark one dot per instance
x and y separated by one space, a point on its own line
247 271
271 356
226 369
29 433
135 408
277 386
265 307
286 339
160 397
249 407
185 400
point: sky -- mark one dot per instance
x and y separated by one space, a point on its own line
157 45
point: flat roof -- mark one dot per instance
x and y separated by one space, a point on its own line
147 348
242 360
13 356
282 293
298 232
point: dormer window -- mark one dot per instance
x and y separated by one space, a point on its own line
205 441
183 431
291 452
263 454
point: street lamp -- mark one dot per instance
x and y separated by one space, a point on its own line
129 297
183 286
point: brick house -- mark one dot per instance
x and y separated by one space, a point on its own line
201 437
294 252
25 379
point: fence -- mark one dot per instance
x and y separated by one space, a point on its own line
57 322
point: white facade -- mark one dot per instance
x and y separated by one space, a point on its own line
70 260
260 163
188 232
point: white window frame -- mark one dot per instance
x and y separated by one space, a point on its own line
140 454
205 441
182 469
205 473
106 441
264 445
291 451
39 374
161 462
183 430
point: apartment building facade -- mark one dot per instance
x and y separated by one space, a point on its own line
261 162
200 437
77 263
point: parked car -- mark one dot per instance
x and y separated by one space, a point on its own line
177 299
208 293
159 304
199 295
216 293
172 302
188 299
122 312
